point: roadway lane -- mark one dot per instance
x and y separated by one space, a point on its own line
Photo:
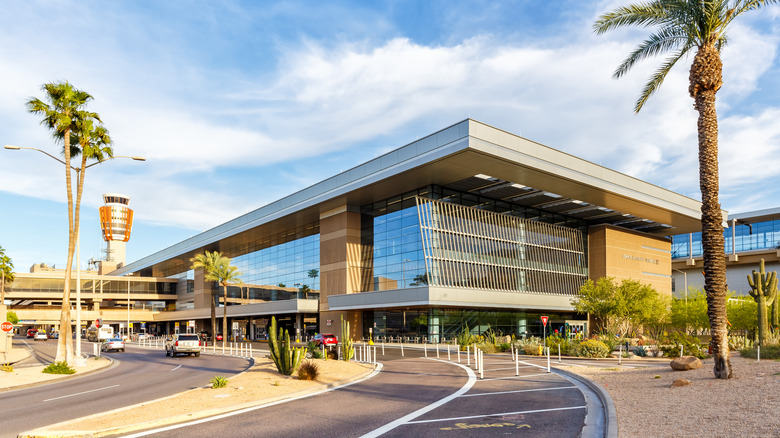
418 397
141 375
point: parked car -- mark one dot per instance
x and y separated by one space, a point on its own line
113 344
183 344
40 336
219 336
31 333
325 338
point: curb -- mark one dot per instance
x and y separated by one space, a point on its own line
51 431
112 364
605 422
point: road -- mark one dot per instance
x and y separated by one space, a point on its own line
141 375
421 397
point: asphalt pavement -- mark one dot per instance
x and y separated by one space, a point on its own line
137 376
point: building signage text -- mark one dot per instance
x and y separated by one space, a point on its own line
639 259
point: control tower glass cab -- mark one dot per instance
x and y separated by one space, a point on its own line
116 222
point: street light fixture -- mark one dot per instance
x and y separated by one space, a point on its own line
78 171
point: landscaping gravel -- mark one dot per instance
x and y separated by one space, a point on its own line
744 406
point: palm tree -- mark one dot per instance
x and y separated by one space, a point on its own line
65 116
6 273
208 262
680 27
217 268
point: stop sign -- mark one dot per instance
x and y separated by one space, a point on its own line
6 326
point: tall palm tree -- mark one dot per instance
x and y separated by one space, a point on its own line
6 273
216 267
208 262
682 26
225 274
64 114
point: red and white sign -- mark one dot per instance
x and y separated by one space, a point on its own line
544 321
7 327
98 322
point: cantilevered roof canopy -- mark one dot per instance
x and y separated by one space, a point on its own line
468 156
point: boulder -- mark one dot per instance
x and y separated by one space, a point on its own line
685 363
680 382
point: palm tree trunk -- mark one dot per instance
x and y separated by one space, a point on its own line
224 317
213 297
65 342
705 80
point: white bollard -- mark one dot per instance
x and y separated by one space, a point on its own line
374 356
437 351
458 353
548 359
250 351
468 355
449 359
517 365
559 353
481 364
402 349
425 347
383 348
681 350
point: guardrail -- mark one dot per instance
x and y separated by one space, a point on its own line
237 349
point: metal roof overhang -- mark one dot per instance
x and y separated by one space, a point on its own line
455 156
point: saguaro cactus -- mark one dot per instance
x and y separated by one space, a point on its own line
764 291
287 359
347 349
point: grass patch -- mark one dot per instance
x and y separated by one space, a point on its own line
218 382
767 352
59 368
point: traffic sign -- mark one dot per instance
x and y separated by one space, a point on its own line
98 322
6 326
544 321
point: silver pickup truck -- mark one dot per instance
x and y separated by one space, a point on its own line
183 344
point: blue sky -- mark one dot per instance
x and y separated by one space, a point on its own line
236 104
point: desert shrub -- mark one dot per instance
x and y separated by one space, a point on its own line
488 347
640 351
316 352
218 382
611 341
739 343
59 368
504 346
8 368
690 344
566 344
465 338
591 348
767 352
308 370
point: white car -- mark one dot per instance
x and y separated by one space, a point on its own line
40 336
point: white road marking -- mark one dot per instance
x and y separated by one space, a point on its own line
517 377
520 390
176 368
253 408
80 393
406 419
496 415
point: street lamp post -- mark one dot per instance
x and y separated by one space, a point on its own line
78 170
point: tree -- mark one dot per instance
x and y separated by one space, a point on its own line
11 317
65 116
208 262
683 26
621 309
217 268
690 315
6 273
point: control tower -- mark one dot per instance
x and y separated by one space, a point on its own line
116 221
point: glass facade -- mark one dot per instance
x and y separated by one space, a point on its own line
114 286
285 267
447 238
435 324
747 237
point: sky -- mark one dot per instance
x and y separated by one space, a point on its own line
236 104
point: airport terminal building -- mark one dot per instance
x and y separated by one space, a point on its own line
469 226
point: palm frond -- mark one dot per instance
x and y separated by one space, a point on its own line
642 14
658 78
664 40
